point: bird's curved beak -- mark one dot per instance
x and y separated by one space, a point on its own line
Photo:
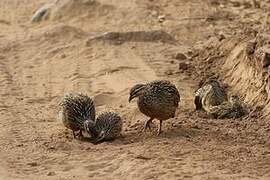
85 125
99 138
88 126
130 98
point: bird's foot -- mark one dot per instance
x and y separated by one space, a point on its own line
147 126
80 135
159 128
74 134
159 132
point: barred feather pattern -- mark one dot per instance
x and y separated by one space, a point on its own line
75 109
229 109
198 96
211 94
107 126
159 100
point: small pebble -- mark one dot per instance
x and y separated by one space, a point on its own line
169 72
51 174
180 56
32 164
161 18
63 56
183 66
142 157
174 125
51 147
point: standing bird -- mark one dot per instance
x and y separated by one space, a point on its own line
75 109
233 108
210 94
107 126
158 100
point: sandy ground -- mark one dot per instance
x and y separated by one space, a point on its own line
41 61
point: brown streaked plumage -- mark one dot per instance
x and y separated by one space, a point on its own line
75 109
158 100
107 126
233 108
210 94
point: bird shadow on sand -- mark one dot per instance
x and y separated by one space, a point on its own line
89 140
138 135
120 140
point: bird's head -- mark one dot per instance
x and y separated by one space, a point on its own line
213 82
136 91
100 136
89 126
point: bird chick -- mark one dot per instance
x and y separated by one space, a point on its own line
233 108
75 109
107 126
210 94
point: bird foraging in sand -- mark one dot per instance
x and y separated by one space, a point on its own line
75 109
210 94
158 100
107 126
233 108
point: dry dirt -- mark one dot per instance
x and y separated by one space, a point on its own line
183 41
